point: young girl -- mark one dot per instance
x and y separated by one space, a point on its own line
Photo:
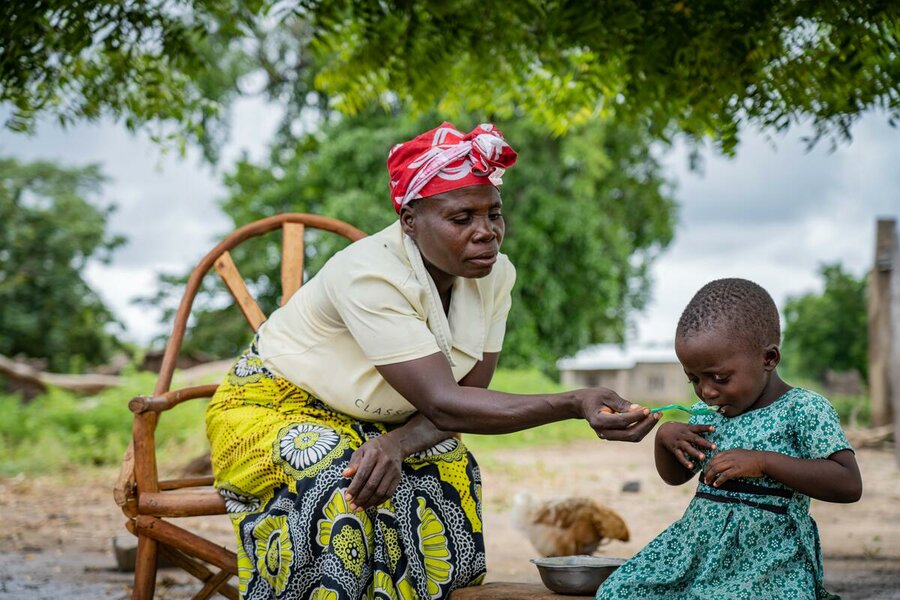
762 455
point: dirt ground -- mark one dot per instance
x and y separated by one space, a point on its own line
56 534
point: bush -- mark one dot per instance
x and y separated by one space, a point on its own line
59 430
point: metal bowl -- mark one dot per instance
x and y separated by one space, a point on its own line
576 575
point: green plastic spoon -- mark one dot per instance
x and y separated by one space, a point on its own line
687 409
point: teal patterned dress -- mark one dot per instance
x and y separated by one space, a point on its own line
755 540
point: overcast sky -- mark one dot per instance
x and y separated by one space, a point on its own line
773 213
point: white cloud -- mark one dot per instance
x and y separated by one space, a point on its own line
117 287
774 214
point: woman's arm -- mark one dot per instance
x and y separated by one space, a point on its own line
481 374
375 467
428 384
675 444
833 479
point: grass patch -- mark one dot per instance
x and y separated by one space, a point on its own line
59 430
530 381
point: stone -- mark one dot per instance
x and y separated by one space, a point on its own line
631 487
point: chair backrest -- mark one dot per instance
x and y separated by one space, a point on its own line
293 226
139 465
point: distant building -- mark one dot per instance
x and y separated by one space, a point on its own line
640 373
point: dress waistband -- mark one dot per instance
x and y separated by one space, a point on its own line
742 487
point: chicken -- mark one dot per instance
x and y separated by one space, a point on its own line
566 526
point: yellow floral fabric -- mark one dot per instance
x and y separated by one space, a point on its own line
278 453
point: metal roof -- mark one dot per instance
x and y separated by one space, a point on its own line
615 356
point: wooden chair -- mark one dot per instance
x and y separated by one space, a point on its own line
150 503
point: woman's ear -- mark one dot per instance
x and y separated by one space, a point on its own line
771 356
408 220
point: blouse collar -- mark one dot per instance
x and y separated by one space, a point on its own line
464 327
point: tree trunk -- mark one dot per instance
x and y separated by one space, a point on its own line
894 359
880 323
20 373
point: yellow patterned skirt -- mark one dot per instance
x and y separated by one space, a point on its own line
278 454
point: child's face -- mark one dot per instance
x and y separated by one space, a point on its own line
726 372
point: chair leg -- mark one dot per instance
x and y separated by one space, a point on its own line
145 569
215 583
211 587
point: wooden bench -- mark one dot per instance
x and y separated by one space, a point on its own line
510 591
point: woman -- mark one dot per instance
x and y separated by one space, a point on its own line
331 437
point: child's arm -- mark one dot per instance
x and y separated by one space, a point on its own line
833 479
675 442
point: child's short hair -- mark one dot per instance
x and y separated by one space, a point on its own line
740 306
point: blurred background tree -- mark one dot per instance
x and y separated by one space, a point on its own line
52 226
828 331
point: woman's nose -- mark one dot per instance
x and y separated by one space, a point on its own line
484 230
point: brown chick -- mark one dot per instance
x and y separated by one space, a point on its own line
566 526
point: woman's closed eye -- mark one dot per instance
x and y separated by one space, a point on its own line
461 218
465 219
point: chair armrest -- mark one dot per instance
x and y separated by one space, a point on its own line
142 404
189 482
124 488
194 503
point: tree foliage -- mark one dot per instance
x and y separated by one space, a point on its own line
828 331
696 66
586 215
701 67
147 63
51 228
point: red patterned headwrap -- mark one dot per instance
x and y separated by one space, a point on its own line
444 159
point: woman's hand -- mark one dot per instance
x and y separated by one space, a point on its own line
614 418
734 463
685 441
375 472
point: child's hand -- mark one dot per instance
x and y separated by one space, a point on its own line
685 441
734 463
